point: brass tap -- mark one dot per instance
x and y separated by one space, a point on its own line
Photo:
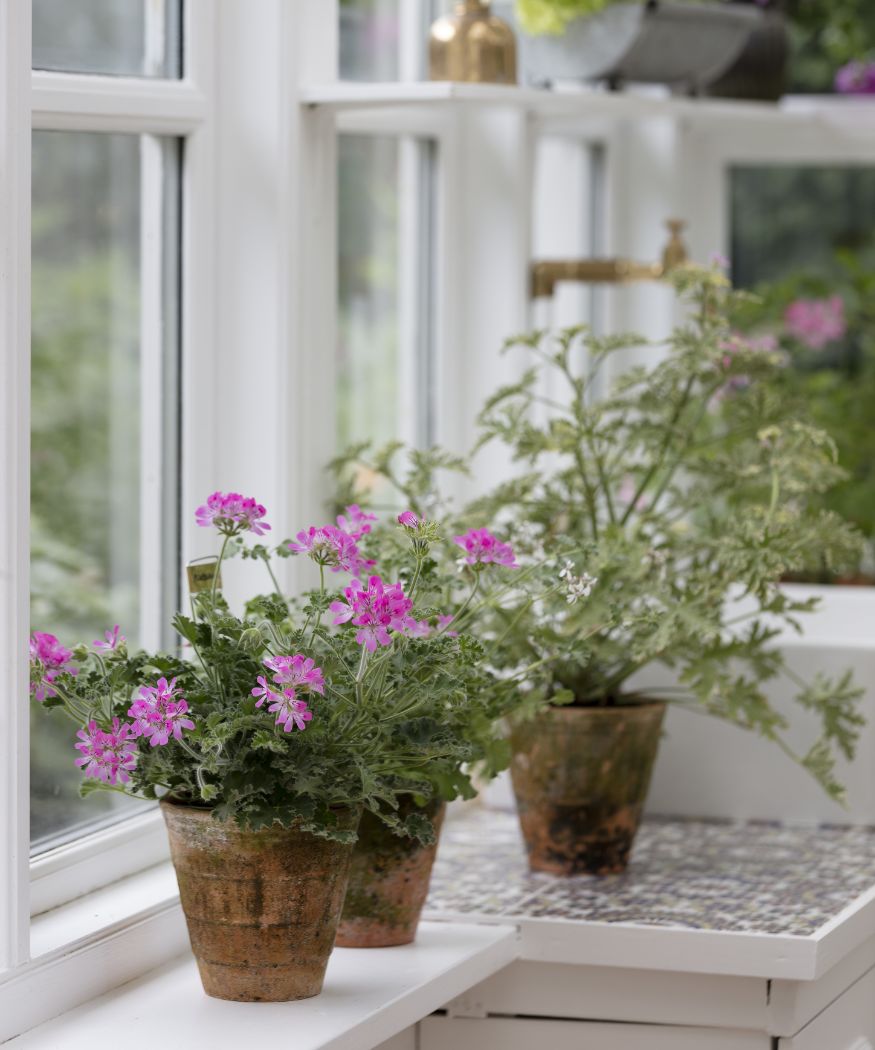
547 273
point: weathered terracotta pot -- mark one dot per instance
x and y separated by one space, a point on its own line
581 775
388 883
262 906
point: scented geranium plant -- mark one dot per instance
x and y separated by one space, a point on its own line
349 695
672 506
824 325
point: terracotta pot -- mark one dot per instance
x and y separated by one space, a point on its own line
581 776
388 883
262 906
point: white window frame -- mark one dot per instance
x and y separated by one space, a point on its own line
149 108
245 313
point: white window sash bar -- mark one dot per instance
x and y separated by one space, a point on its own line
15 49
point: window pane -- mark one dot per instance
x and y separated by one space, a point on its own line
369 34
92 456
384 353
804 237
369 393
132 37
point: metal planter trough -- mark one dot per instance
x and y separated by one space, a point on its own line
684 45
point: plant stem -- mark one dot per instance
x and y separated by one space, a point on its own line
215 585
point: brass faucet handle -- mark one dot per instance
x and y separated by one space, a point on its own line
675 253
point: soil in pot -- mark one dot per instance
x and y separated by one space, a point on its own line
262 907
388 882
581 776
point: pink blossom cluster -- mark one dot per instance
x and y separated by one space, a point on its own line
291 673
231 514
107 755
159 713
816 322
482 548
332 547
856 78
355 522
375 609
48 660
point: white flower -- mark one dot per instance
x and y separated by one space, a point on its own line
567 571
580 587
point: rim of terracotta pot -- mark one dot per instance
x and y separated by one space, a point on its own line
607 711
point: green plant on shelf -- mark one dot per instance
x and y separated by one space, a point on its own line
824 326
672 506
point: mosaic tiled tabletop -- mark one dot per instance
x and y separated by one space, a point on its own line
700 875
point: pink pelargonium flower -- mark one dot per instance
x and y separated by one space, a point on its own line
231 514
355 522
48 661
296 671
856 78
111 640
816 322
331 547
159 713
108 756
290 712
482 548
408 519
375 609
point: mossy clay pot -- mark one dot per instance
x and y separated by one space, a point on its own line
388 882
262 907
581 776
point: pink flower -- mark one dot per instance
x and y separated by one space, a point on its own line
482 548
231 514
263 690
107 756
295 671
355 522
159 712
816 322
112 640
443 622
48 661
856 78
290 712
375 609
408 519
331 547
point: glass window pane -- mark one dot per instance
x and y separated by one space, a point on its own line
804 238
369 35
385 355
92 455
131 37
370 404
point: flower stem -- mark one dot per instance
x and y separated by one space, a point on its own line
215 585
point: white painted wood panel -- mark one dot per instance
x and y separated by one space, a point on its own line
442 1033
849 1024
602 994
405 1040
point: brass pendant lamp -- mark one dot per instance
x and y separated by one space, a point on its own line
472 45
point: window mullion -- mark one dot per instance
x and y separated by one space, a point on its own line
15 48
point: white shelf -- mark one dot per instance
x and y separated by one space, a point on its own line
369 996
851 114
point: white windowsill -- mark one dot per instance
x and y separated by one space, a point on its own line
369 996
104 911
